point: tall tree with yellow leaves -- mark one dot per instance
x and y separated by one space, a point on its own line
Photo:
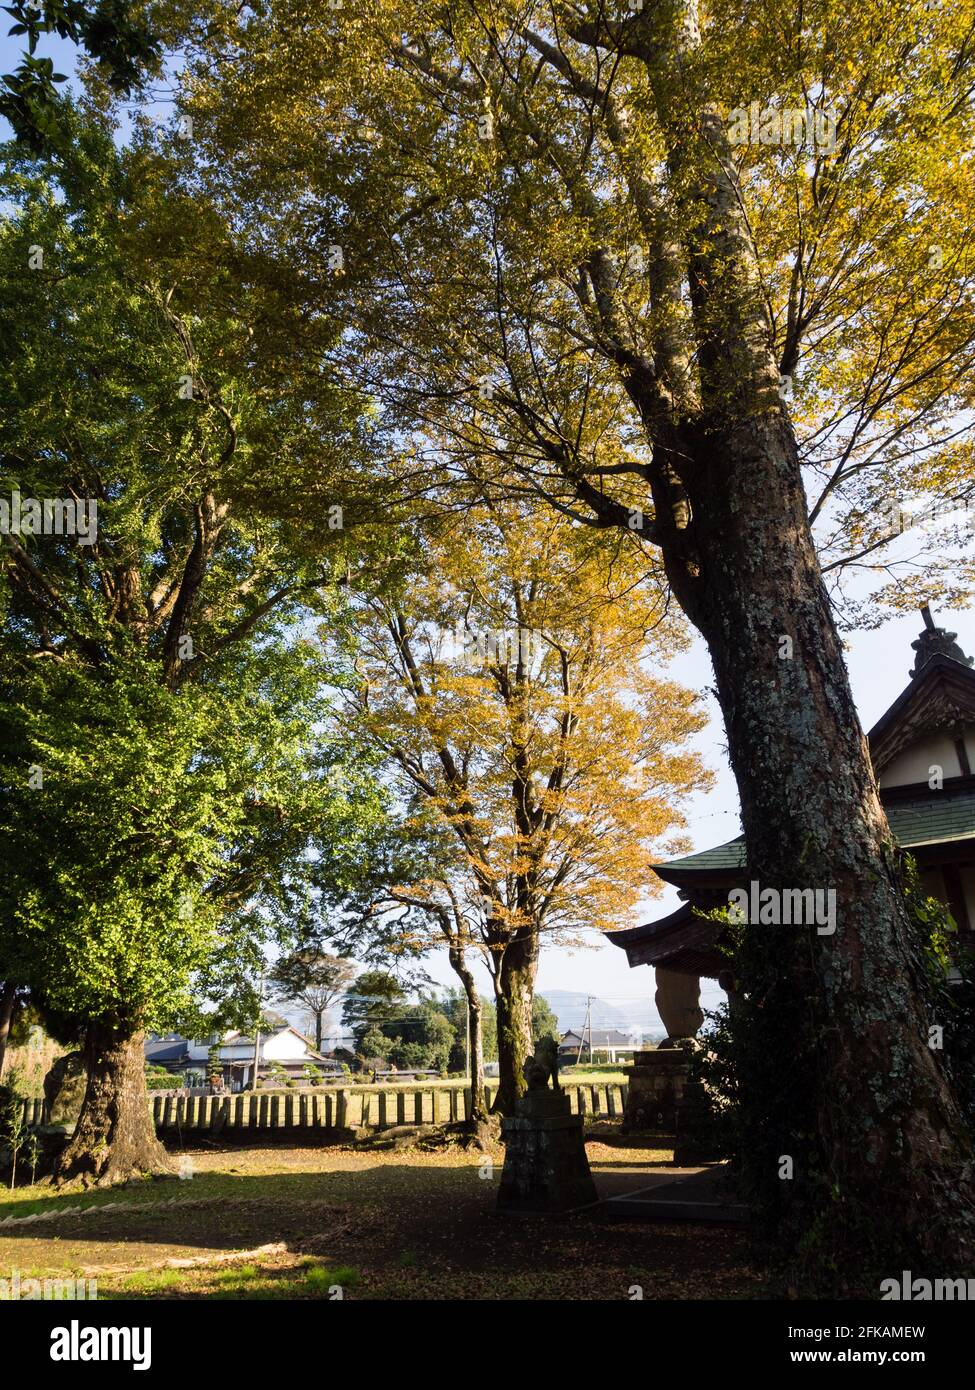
747 230
504 673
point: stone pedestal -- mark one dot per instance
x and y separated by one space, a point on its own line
656 1086
545 1164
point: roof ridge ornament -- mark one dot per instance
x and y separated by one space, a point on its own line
936 641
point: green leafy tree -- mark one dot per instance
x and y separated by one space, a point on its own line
314 979
544 1022
373 1043
377 999
424 1036
113 33
454 1005
166 777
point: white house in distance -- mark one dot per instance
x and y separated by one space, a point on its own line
283 1048
603 1044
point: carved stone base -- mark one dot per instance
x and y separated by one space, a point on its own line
656 1085
545 1163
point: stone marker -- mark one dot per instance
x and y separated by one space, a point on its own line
545 1163
64 1089
656 1086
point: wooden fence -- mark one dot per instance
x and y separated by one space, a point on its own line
335 1108
34 1112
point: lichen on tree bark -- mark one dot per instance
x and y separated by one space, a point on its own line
115 1139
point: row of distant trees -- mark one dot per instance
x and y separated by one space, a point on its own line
428 1030
387 1021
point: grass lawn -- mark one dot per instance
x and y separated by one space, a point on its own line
595 1073
404 1224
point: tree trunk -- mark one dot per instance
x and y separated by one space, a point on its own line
479 1115
514 988
318 1030
114 1139
837 1075
8 996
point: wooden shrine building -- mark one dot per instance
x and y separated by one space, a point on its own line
923 752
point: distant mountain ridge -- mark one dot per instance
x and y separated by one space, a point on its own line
569 1007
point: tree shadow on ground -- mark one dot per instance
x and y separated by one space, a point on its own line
403 1225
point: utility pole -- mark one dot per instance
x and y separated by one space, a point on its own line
587 1027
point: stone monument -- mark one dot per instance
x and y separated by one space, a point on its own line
64 1090
545 1163
658 1076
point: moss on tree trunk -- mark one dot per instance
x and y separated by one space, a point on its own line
514 991
837 1072
114 1139
475 1042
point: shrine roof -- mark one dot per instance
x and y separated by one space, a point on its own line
933 818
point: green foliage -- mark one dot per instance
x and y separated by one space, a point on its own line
13 1131
454 1005
312 977
373 1043
114 33
171 792
376 999
948 965
544 1022
159 1079
716 1064
406 1033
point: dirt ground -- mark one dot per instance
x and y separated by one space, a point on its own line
275 1222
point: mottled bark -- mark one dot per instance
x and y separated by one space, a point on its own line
114 1139
514 988
475 1039
841 1078
837 1074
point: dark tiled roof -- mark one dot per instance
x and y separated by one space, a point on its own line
933 820
601 1037
938 818
937 669
166 1050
